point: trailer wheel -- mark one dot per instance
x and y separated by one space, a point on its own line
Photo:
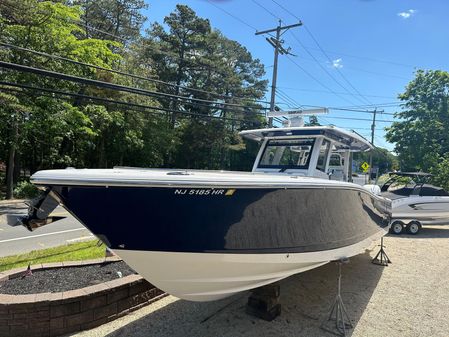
397 227
413 227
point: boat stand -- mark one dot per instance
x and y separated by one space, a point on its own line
264 303
381 257
338 311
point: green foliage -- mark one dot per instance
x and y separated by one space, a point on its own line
25 190
422 139
122 18
56 131
440 172
313 121
53 132
382 158
199 60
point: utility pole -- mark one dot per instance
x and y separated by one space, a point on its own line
276 42
373 128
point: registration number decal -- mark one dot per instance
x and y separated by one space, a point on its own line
204 191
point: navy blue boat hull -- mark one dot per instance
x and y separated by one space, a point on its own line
229 220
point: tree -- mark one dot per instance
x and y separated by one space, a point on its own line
313 121
204 65
11 114
384 160
119 20
441 172
421 138
215 82
173 51
53 132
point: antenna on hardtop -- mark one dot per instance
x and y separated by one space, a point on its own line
296 117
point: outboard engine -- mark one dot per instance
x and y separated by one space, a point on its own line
374 189
39 210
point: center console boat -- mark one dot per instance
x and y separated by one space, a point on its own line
205 235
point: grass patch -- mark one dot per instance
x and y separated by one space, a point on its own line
73 252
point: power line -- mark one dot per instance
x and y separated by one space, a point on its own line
290 103
112 86
348 109
325 91
376 73
362 111
232 15
348 55
276 43
154 48
391 104
80 23
326 71
84 25
361 119
318 81
149 79
285 9
350 127
338 70
266 10
371 59
285 96
295 105
338 53
106 100
356 69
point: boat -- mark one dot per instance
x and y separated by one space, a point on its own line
205 235
415 202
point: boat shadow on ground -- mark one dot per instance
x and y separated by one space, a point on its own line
11 220
426 232
306 299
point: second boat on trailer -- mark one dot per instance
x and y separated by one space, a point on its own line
205 235
415 202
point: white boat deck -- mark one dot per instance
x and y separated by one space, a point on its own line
173 178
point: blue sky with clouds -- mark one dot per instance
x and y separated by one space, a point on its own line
349 53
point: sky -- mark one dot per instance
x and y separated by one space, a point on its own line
357 54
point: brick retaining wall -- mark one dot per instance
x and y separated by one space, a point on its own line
54 314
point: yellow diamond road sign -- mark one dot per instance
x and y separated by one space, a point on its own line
365 166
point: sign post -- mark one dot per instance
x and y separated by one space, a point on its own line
365 167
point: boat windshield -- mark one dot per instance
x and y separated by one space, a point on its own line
397 182
287 153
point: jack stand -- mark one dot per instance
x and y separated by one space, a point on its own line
264 302
338 311
381 257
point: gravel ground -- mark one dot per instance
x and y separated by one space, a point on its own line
408 298
64 279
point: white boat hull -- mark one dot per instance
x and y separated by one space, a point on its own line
211 276
428 210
